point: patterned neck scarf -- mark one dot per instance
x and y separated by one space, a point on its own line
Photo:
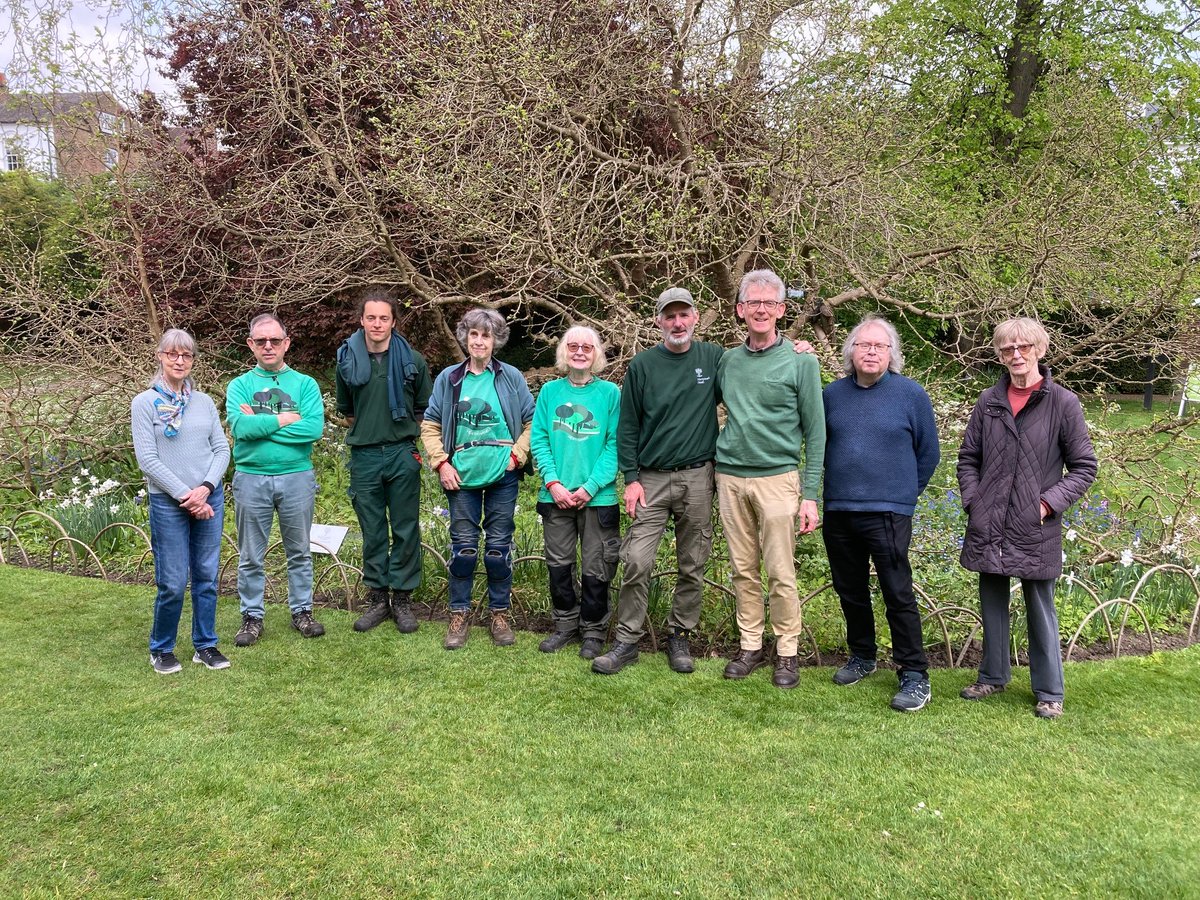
170 406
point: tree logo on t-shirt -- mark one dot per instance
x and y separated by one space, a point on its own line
576 420
272 402
471 412
701 378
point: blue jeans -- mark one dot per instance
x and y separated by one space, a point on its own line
495 505
183 545
256 500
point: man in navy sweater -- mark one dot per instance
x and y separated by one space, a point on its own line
881 450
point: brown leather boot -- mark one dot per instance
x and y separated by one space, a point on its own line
745 662
502 633
460 628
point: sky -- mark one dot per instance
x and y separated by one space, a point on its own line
81 45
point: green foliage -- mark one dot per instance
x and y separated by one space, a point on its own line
40 236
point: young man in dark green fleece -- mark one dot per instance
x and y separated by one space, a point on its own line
275 414
764 483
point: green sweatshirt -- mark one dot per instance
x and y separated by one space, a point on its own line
260 446
774 401
574 439
669 409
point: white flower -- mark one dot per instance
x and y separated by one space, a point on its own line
65 503
1071 579
114 509
141 494
1072 534
93 480
84 472
1126 558
74 479
87 504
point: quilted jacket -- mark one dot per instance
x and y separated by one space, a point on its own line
1007 465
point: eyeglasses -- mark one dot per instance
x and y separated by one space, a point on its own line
176 355
1013 349
267 341
580 348
768 305
868 346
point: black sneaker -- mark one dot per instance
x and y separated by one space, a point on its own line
249 633
679 654
304 623
557 640
402 612
592 647
378 609
165 663
854 671
210 657
914 692
619 655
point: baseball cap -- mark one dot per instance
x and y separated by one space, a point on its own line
673 295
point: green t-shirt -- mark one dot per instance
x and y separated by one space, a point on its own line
373 422
482 442
574 438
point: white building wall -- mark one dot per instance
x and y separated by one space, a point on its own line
33 145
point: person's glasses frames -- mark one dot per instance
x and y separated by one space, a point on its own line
580 348
176 355
267 341
1010 351
868 346
768 305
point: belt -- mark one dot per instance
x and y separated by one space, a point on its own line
470 444
695 465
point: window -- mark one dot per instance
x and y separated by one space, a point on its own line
13 161
108 123
110 158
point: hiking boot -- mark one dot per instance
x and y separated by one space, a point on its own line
745 662
979 690
558 640
460 628
914 692
619 655
304 623
854 671
502 633
592 647
787 672
402 612
1048 709
378 609
249 633
165 663
210 657
679 654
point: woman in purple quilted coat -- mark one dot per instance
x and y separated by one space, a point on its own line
1025 458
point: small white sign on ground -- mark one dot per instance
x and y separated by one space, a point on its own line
327 538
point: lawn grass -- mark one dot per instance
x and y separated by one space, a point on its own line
364 765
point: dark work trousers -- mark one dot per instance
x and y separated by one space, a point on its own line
853 540
1045 648
385 490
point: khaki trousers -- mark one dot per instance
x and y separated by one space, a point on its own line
759 516
685 496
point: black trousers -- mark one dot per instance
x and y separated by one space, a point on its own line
853 540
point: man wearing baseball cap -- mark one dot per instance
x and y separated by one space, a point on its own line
666 444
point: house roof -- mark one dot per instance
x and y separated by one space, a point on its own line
30 108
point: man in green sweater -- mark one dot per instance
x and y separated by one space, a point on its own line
764 484
275 414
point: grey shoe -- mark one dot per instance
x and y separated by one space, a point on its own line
165 663
979 690
854 671
378 609
249 633
679 654
1048 709
592 647
914 692
557 640
619 655
402 612
304 623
